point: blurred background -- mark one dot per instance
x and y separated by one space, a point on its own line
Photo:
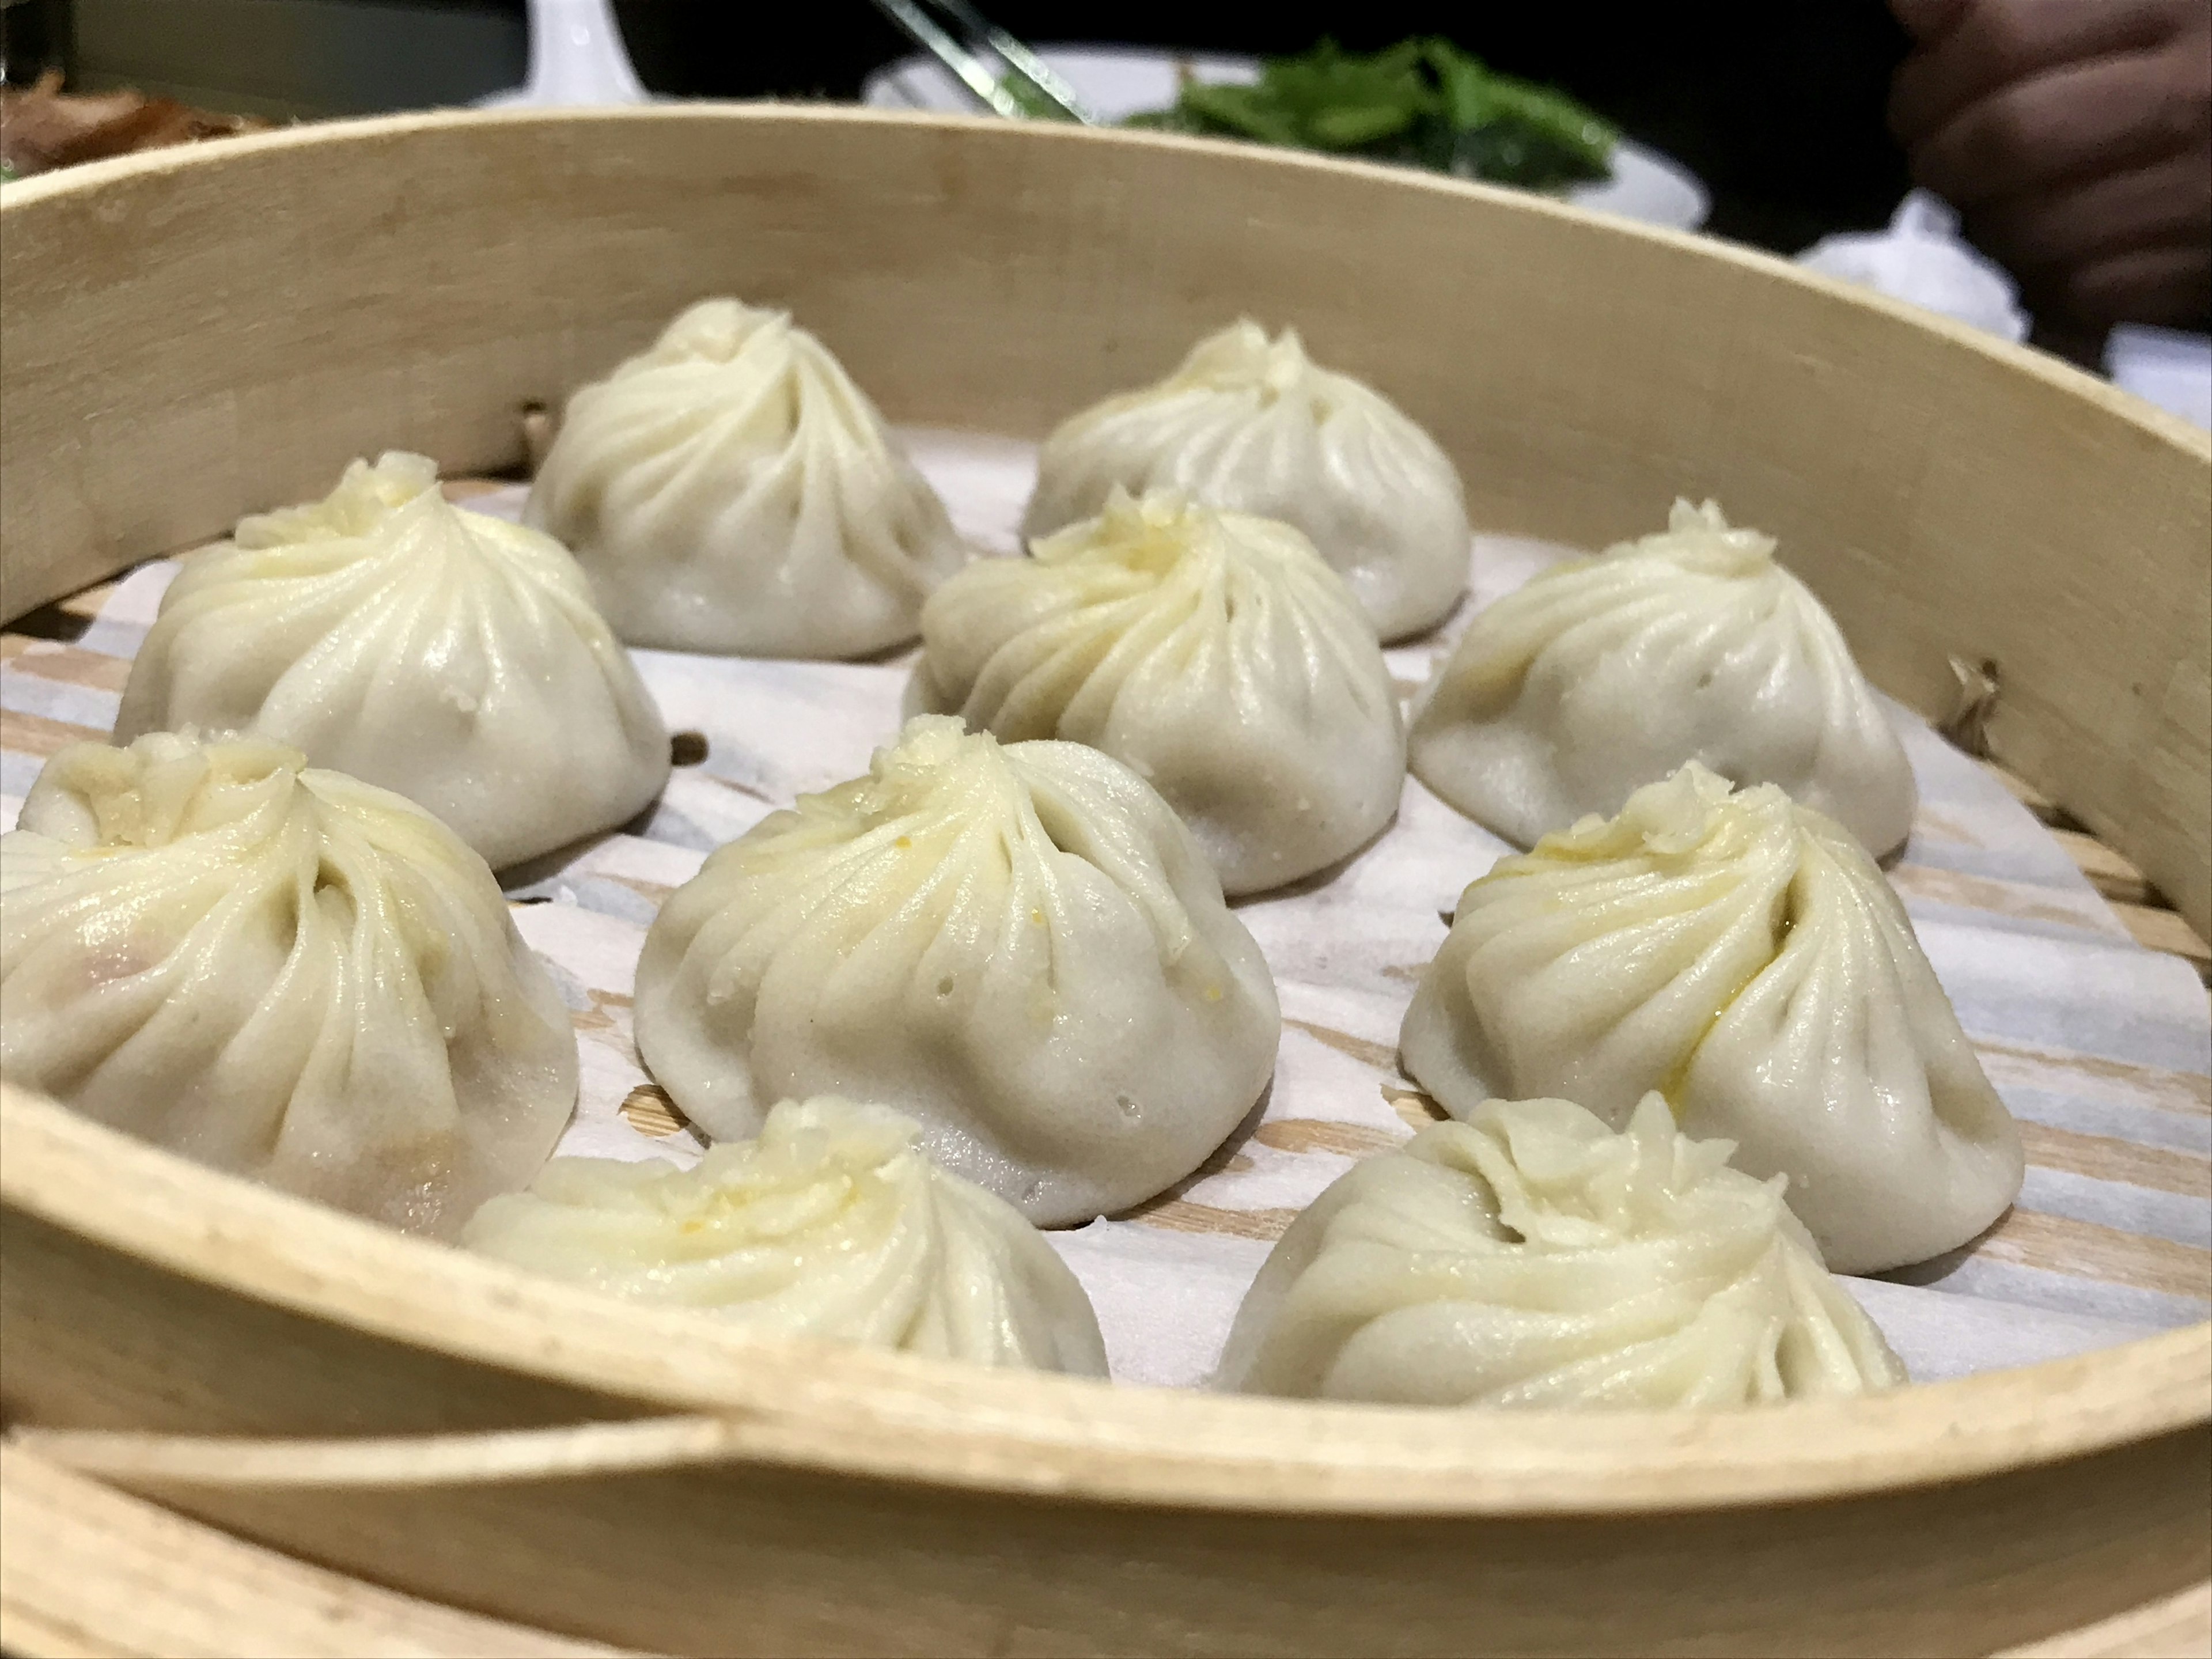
1778 108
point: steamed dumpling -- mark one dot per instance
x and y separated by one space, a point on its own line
1531 1256
732 490
395 637
279 971
1021 947
1743 956
832 1223
1213 651
1605 674
1253 424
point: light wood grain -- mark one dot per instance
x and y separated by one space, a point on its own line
2188 1094
476 1521
2101 1157
2178 1627
65 665
456 1432
34 734
647 1109
90 1570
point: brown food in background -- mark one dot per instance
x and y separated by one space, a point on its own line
41 128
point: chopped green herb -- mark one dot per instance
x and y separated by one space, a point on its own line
1423 101
1031 96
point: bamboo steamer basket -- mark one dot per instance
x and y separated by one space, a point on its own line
242 1423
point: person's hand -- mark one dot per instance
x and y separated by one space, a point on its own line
2074 137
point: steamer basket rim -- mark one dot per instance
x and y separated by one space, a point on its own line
28 195
831 1406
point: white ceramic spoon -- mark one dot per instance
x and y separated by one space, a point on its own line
576 58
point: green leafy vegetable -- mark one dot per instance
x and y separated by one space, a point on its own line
1032 98
1422 101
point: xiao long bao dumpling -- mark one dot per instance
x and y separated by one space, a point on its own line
1254 425
409 643
1213 651
732 490
1606 673
1021 947
1743 956
832 1223
1531 1256
278 971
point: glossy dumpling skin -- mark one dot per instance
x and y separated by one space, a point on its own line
1605 674
281 972
834 1222
731 490
1213 651
1254 425
1020 947
1743 956
391 635
1533 1257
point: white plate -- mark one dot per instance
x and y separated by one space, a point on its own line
1120 81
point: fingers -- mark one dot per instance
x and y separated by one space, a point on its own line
2168 202
2086 118
2075 137
1992 44
1925 20
2170 285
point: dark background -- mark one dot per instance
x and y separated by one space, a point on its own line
1778 107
